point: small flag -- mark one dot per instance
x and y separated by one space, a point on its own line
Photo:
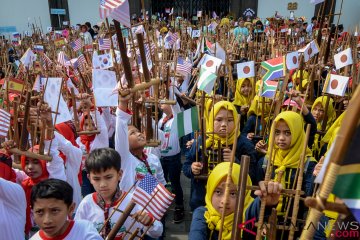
274 68
81 62
116 9
46 61
195 33
76 45
28 58
292 60
59 42
347 180
15 86
171 12
269 89
214 15
16 35
88 48
103 61
187 121
336 84
206 80
104 43
343 59
153 196
199 14
38 48
62 58
183 67
245 69
4 122
210 63
167 10
309 50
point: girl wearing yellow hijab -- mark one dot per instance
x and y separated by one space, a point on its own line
221 130
318 111
304 81
243 95
288 144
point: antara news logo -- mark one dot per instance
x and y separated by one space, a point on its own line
338 229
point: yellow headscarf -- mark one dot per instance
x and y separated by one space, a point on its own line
330 111
241 100
304 81
330 135
256 107
212 139
224 22
212 217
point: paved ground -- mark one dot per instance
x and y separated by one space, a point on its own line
179 231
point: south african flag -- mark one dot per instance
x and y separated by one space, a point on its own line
273 68
269 89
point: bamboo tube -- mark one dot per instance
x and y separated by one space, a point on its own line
228 179
299 185
343 139
140 41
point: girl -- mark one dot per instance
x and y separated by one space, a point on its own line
304 81
206 220
243 96
221 129
318 111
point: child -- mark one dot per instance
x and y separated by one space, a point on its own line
243 96
103 166
12 201
206 220
222 121
130 143
51 202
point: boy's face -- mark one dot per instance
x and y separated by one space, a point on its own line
105 182
282 135
136 138
224 123
33 168
51 215
218 198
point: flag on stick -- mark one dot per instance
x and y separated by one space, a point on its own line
274 68
343 59
187 121
116 9
4 122
76 45
104 43
336 84
206 80
292 60
269 89
246 69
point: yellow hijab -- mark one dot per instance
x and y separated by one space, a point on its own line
331 114
241 100
256 107
330 135
304 81
213 217
212 139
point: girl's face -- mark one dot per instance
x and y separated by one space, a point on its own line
218 198
33 168
246 88
89 126
318 112
224 123
282 135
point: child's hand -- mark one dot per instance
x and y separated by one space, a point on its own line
189 143
244 110
227 154
271 192
261 147
250 136
196 168
143 218
7 145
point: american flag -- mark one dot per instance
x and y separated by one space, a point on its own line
81 61
153 196
89 48
170 39
116 9
4 122
76 45
104 43
46 61
183 66
62 58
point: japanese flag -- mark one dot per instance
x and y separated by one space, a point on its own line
309 50
246 69
292 60
336 84
343 59
210 63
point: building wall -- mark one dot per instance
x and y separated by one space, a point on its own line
350 17
82 11
19 13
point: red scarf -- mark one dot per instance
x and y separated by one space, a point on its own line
6 171
86 139
28 184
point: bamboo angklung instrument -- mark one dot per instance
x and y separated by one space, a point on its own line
343 139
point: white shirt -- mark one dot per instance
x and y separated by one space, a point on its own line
12 210
77 230
89 210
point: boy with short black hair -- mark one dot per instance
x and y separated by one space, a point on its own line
52 204
104 172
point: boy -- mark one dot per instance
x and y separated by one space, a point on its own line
130 143
104 172
52 204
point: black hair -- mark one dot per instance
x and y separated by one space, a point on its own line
52 188
313 18
102 159
88 24
96 26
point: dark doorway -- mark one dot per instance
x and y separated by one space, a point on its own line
59 12
329 9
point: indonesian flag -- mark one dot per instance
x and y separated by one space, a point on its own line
292 60
343 59
245 69
336 84
309 50
210 63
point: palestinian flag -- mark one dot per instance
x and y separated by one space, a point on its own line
269 89
187 121
273 68
347 181
206 80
